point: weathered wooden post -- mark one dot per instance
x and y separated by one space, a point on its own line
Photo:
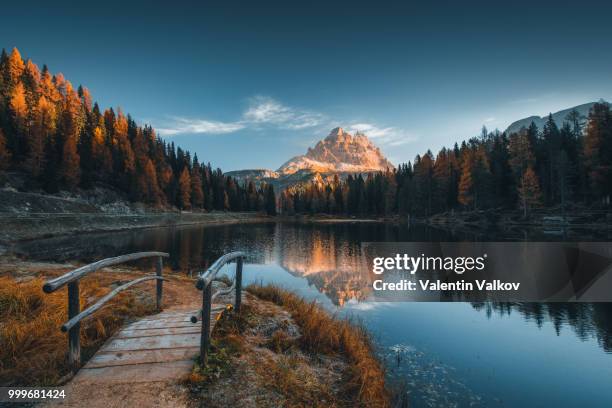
238 278
160 283
74 344
206 309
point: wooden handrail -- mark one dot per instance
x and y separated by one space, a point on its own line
204 283
73 325
93 308
209 275
55 284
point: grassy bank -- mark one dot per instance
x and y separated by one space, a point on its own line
323 333
283 351
33 350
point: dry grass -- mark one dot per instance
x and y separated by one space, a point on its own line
323 333
280 342
33 350
227 342
288 376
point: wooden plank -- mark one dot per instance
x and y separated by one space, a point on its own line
135 373
161 325
127 333
159 342
141 357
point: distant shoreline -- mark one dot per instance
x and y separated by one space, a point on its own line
24 227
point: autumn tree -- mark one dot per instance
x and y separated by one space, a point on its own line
44 127
19 108
71 172
466 182
530 195
69 131
185 189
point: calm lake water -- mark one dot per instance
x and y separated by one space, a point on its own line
446 354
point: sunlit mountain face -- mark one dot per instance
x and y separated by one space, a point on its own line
340 153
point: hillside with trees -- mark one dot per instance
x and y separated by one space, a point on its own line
62 140
550 167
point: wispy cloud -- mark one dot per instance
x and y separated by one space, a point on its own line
390 136
178 125
266 110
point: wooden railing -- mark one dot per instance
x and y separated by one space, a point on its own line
73 325
204 283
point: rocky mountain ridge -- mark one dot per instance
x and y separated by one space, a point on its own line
339 153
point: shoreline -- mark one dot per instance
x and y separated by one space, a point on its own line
15 228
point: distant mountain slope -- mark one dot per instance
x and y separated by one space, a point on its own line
558 117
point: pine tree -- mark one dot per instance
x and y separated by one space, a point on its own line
270 200
598 151
5 155
521 153
482 178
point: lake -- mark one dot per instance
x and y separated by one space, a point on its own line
445 354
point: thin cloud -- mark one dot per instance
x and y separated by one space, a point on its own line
266 110
198 126
390 136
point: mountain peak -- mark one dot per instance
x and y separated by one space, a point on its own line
339 152
336 134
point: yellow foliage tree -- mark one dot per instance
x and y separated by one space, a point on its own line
18 106
15 67
530 195
185 189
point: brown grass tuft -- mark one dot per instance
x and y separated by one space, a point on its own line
280 342
288 376
323 333
33 350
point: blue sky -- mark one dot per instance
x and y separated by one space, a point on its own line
251 84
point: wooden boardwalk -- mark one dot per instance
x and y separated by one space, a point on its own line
160 347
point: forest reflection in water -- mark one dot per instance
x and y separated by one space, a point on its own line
328 256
